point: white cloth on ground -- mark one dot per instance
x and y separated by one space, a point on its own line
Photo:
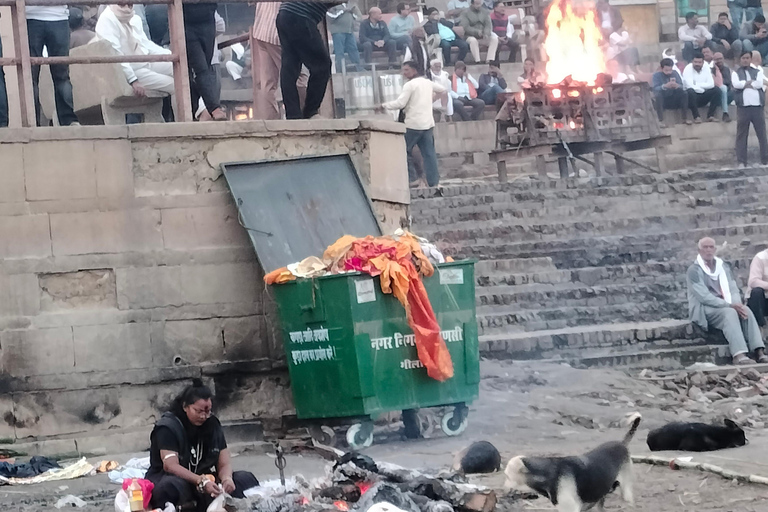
138 462
719 274
117 476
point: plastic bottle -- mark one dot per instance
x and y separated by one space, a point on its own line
136 497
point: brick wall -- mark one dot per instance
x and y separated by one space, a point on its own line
122 262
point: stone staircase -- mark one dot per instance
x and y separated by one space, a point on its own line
593 269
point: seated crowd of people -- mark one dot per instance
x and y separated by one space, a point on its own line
467 26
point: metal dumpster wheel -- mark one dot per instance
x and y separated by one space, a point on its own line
360 435
323 434
455 422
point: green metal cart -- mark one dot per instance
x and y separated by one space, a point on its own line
351 353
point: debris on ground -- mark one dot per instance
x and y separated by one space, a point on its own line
70 501
357 483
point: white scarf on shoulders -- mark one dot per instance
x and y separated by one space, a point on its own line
718 274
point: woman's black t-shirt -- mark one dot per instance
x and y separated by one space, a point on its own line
209 439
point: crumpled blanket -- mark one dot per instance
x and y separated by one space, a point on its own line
36 466
76 470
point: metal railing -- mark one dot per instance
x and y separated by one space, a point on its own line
24 62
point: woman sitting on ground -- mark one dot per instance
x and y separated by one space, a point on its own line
188 456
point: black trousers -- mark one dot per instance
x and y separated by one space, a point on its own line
670 99
172 489
200 38
301 43
745 116
758 304
53 35
458 43
696 100
390 47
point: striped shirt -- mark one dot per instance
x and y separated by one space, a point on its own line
264 28
314 11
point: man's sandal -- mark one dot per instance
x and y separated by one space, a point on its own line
742 359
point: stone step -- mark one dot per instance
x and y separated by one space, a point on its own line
670 287
489 267
746 196
504 319
672 358
480 233
614 249
555 184
532 188
573 340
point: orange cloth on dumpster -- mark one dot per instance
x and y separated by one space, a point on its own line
279 276
393 261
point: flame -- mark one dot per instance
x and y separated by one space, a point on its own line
522 96
364 486
304 500
573 94
341 505
572 125
573 43
556 93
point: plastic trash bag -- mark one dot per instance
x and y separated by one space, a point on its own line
70 501
122 502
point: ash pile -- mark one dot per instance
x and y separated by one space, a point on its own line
357 483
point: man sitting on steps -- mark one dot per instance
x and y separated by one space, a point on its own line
714 300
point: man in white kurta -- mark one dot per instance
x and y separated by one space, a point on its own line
119 25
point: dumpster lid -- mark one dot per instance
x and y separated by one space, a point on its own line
293 209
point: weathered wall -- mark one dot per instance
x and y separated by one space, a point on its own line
122 262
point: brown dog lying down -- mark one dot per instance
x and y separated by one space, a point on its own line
577 483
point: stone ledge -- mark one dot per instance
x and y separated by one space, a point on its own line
90 380
194 130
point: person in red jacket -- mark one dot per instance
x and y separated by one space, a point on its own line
503 27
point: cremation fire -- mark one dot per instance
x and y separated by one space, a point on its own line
573 43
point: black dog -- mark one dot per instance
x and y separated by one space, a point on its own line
479 457
696 437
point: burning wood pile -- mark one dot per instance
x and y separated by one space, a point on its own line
357 483
576 100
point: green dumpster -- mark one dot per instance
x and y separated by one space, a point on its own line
351 353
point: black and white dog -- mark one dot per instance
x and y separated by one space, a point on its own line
574 484
696 437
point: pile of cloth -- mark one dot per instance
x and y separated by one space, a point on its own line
399 261
41 469
36 466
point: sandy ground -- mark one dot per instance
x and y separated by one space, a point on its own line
524 408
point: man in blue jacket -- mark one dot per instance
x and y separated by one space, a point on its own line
668 92
374 35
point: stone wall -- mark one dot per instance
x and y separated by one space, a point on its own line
124 272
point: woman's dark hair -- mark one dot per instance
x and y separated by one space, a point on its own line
191 394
